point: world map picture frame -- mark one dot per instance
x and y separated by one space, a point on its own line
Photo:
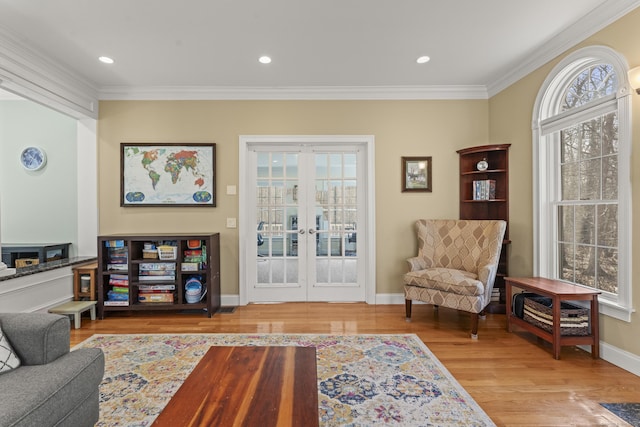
167 174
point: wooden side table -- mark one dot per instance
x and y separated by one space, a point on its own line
558 291
80 270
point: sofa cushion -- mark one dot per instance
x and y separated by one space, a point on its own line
446 279
8 358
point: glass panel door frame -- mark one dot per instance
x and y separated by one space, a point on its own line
246 221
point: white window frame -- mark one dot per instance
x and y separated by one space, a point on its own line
547 122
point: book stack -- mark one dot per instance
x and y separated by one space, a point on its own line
495 295
118 263
194 259
151 291
484 189
118 255
119 293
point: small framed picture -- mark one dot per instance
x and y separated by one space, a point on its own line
416 174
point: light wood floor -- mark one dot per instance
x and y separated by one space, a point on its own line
512 376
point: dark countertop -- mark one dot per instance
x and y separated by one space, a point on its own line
52 265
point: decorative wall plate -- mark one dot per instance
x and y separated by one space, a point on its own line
33 158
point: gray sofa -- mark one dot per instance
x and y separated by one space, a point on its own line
53 386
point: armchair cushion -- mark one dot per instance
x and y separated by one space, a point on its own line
446 279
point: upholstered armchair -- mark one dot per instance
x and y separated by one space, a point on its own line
456 265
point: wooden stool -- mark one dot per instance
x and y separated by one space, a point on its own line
76 308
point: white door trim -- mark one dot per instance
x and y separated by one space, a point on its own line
245 224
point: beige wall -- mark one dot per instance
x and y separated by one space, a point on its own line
511 113
401 128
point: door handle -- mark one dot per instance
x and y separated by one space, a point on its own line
301 231
312 231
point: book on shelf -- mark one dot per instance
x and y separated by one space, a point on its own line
119 282
484 189
158 266
157 287
116 276
114 243
116 303
156 278
155 297
118 267
157 273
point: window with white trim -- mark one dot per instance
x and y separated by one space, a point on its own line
582 146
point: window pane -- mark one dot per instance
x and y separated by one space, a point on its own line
565 223
263 165
335 162
570 143
608 225
570 182
608 270
590 144
585 224
590 179
277 165
585 265
322 191
610 178
610 134
292 165
565 263
350 162
321 165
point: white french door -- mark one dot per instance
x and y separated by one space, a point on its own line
305 205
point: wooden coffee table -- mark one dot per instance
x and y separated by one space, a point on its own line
248 386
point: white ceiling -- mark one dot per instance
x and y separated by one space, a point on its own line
316 45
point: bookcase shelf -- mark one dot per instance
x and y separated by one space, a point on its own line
497 157
145 283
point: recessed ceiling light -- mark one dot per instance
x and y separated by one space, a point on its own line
106 60
264 60
423 60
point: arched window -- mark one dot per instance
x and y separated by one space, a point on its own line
582 147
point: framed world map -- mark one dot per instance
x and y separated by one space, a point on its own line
167 174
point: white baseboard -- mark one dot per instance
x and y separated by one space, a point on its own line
616 356
229 300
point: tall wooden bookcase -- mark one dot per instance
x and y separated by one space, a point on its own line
497 207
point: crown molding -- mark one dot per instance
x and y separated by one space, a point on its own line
293 93
33 75
591 23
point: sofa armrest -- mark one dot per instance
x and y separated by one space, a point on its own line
37 338
417 263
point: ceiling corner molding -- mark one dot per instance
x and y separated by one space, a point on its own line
32 75
123 93
591 23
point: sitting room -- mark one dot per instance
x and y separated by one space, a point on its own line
331 214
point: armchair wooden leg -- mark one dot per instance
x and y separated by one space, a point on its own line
474 326
407 309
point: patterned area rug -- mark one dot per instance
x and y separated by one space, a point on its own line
630 412
363 380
